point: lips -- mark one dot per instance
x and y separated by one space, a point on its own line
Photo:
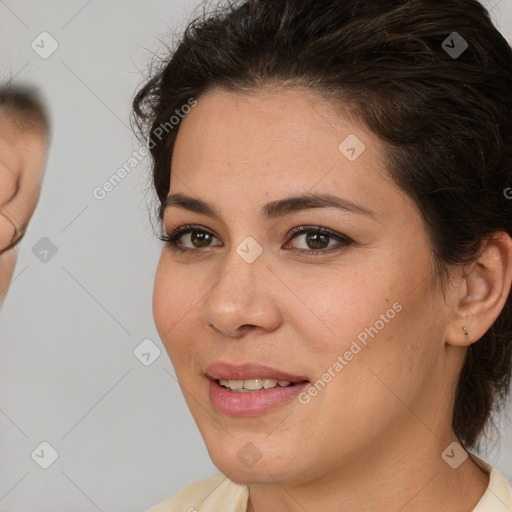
247 371
251 402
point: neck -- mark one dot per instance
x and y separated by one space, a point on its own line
416 480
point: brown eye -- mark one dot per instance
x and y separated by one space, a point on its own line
189 238
313 240
200 238
317 240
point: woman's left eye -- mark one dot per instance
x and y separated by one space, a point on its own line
315 240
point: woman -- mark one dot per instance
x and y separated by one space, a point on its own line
334 290
24 134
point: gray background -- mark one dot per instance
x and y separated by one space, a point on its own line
68 374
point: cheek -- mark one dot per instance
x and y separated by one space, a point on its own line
163 303
373 317
7 265
173 295
9 167
8 184
344 305
389 350
176 306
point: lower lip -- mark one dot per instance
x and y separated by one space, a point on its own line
233 403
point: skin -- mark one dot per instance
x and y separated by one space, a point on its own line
372 438
23 149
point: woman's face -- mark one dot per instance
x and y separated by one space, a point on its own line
22 160
350 314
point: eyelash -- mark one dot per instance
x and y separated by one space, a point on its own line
171 240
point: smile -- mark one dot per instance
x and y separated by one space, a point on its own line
251 389
253 384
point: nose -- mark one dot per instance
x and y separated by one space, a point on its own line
244 298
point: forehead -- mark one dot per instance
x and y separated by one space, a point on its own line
296 117
235 149
279 132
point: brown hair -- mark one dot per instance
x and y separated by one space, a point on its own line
443 111
25 105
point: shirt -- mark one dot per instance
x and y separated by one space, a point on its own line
219 494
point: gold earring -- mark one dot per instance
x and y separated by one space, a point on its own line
466 333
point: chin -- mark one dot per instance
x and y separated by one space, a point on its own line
256 475
251 465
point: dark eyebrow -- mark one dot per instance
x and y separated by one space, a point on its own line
271 210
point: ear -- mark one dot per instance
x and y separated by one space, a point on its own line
481 293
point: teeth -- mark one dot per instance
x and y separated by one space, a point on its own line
235 384
252 384
269 383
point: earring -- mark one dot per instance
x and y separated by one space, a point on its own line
466 333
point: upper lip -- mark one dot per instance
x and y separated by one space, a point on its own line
244 371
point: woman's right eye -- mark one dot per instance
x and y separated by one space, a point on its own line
197 236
